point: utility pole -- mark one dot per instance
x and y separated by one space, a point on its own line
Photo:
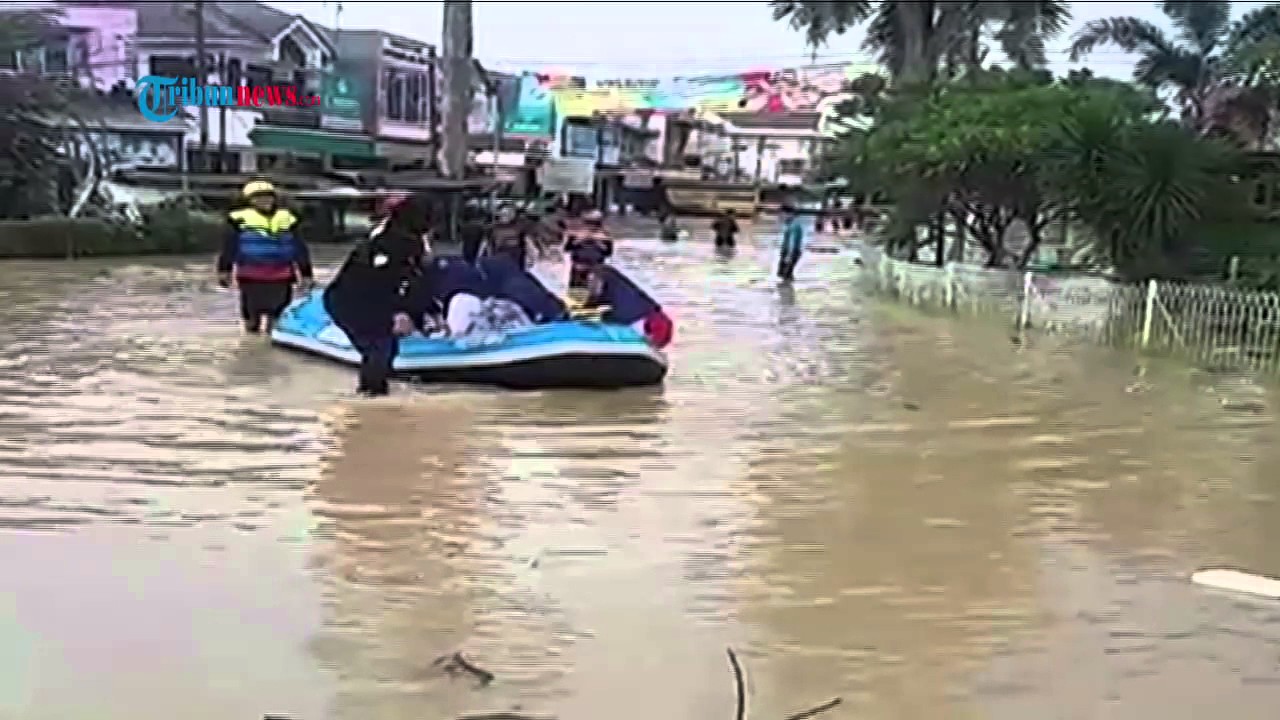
202 77
456 52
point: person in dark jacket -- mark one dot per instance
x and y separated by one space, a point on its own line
591 238
669 228
265 256
511 237
509 281
372 298
623 302
726 230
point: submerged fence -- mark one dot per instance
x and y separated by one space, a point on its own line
1212 326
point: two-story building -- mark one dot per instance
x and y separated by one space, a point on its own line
394 83
252 44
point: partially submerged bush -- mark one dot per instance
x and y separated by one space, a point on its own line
168 230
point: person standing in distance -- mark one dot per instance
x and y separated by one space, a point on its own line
792 244
266 256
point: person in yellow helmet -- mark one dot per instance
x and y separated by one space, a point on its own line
265 255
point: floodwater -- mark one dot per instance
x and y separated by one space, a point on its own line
918 515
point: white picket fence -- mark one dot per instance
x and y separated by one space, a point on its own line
1212 326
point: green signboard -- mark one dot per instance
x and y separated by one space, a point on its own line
534 113
340 105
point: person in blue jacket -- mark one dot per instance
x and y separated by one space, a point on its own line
792 244
622 301
507 280
372 296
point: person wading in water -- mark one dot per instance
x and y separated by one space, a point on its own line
373 297
792 244
265 255
726 230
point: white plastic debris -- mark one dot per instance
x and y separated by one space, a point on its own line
1237 581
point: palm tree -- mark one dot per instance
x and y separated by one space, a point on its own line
915 38
1214 67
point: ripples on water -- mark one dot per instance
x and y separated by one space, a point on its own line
913 513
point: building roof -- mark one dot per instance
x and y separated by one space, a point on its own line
223 19
177 19
773 120
259 17
378 33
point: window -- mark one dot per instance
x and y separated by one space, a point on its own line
56 60
292 53
392 94
256 76
209 161
268 162
415 96
791 166
404 95
234 73
172 66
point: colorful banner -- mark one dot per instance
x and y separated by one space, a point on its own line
800 89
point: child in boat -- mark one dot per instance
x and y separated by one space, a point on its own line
623 302
267 255
371 297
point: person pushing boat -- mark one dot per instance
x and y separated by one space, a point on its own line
372 297
265 256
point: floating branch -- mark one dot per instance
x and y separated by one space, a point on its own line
455 662
740 686
813 712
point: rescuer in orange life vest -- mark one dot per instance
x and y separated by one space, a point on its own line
266 256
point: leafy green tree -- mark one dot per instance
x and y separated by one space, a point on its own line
1010 147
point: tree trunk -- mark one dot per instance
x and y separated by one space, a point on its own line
938 231
915 24
456 61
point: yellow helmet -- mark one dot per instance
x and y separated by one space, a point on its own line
258 187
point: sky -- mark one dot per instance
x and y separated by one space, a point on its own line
625 38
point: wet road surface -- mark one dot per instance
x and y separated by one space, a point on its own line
912 513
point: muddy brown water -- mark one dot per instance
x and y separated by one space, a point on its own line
912 513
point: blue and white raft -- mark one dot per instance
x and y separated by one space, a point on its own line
568 354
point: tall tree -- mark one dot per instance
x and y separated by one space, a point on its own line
1210 64
915 39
